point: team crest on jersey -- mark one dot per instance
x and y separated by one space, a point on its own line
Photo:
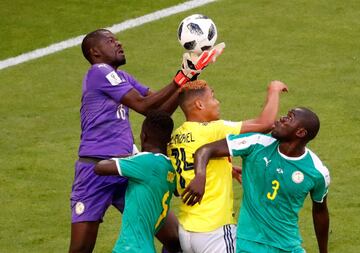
79 208
170 177
297 177
239 142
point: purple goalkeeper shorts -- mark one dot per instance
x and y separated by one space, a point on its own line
92 194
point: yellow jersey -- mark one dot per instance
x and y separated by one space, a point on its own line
216 208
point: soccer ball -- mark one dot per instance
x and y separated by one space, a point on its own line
197 33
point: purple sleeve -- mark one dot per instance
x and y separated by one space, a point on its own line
104 78
142 89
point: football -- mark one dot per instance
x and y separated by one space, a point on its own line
197 33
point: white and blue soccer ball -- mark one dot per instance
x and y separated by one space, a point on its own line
197 33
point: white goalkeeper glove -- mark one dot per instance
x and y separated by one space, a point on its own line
193 64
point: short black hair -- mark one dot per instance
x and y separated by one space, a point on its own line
159 124
90 40
310 121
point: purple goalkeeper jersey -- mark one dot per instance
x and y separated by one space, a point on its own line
105 126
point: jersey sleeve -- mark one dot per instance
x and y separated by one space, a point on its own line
243 144
135 167
321 186
108 81
224 127
142 89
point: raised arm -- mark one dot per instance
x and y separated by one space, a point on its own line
264 122
194 192
192 66
140 104
321 224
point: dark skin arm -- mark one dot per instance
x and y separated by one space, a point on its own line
321 221
154 100
171 104
194 192
106 168
236 173
264 122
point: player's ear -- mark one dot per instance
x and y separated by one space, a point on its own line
301 132
94 52
199 104
143 136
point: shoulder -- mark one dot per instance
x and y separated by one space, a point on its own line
151 157
251 139
320 167
126 77
166 161
227 123
211 125
125 74
101 68
105 71
98 72
224 127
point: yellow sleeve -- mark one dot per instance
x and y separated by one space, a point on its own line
224 127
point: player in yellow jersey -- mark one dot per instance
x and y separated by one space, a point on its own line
210 226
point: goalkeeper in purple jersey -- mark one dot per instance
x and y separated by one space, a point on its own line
107 95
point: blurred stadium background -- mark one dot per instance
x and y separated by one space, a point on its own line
313 46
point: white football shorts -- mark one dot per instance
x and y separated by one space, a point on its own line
220 240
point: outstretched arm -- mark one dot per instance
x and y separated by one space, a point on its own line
191 67
321 224
134 100
106 168
266 119
171 104
194 192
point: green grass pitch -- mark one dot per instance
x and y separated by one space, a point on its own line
313 46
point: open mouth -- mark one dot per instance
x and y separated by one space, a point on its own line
120 51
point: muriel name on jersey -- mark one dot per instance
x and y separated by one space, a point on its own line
180 138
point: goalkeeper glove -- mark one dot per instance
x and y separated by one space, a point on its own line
193 64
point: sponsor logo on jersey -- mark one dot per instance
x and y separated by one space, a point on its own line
266 161
79 208
114 78
280 171
297 177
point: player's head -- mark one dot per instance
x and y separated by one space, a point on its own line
101 46
156 129
198 102
299 124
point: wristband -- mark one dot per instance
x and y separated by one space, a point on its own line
180 78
